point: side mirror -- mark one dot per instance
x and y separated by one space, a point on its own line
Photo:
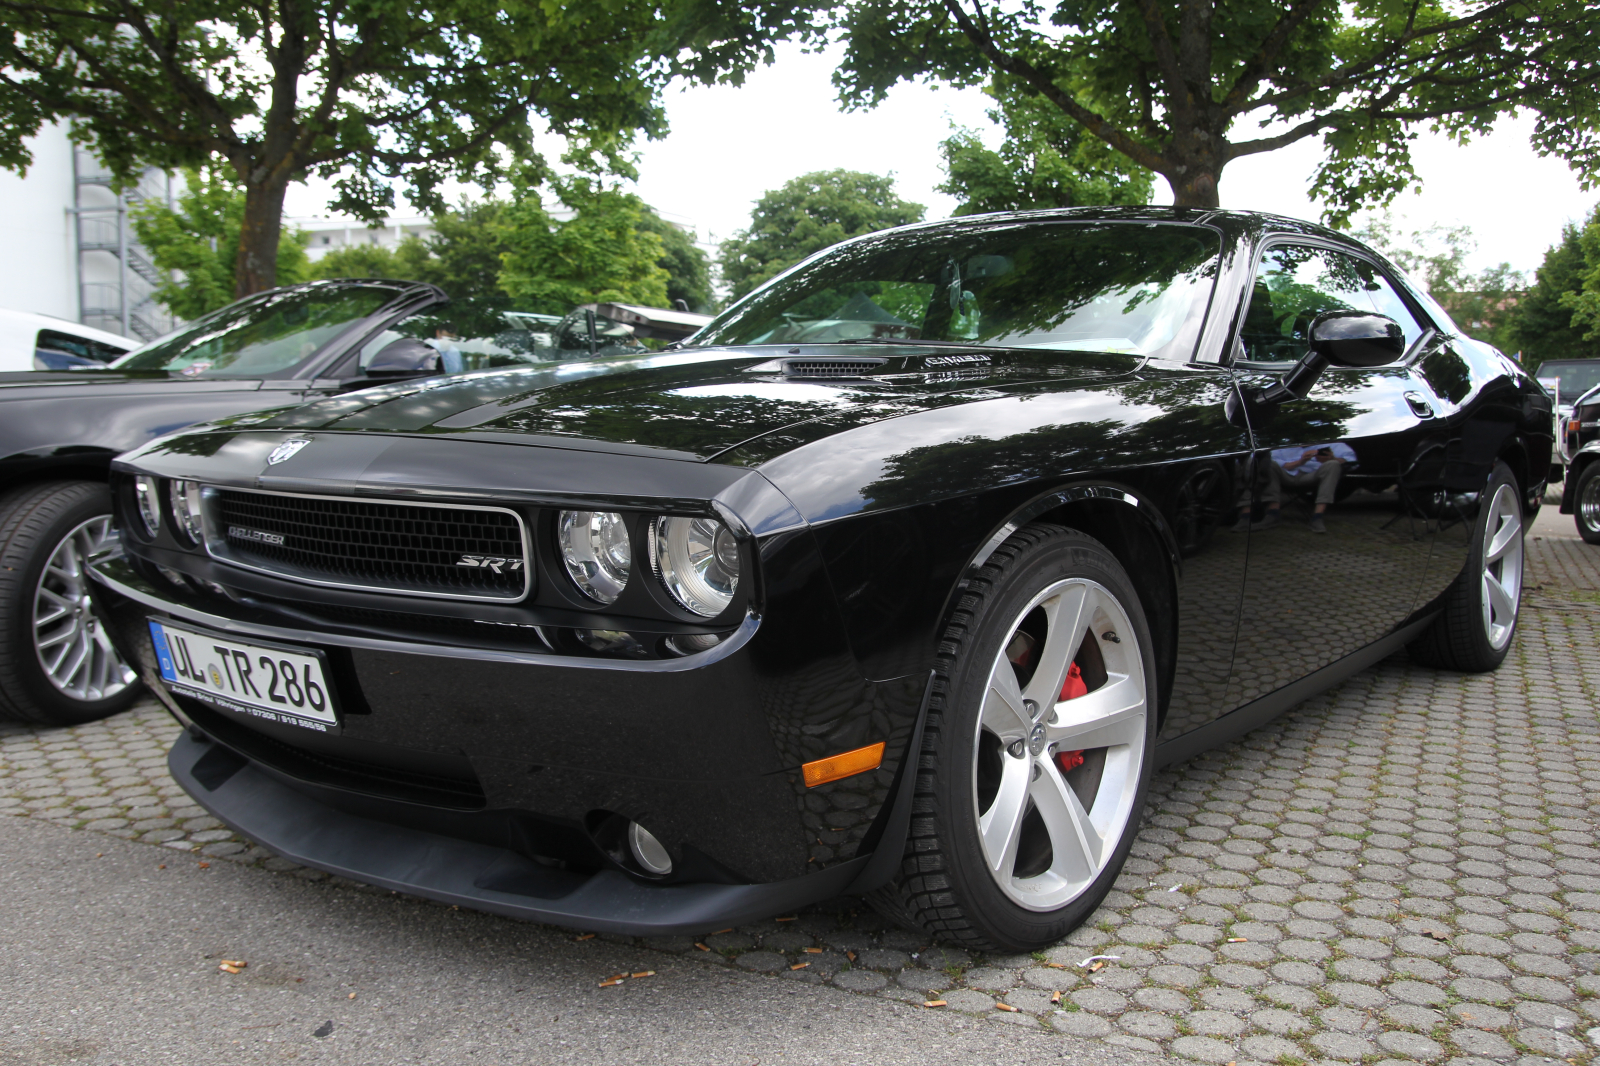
1357 338
404 358
1339 338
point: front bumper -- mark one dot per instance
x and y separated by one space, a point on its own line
463 775
294 823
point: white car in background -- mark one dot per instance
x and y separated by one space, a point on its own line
44 342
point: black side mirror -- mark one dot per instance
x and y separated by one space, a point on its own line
1339 338
404 358
1357 338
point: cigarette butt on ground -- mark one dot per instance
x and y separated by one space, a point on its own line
799 966
1008 1008
933 1003
613 981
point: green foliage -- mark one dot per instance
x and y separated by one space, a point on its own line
1582 299
810 213
1183 87
199 237
688 267
1484 305
601 254
1047 160
378 95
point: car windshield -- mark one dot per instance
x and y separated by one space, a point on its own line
1136 288
474 335
262 335
1576 378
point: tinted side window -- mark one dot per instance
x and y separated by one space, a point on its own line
82 347
1296 283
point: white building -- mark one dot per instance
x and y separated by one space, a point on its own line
330 234
73 254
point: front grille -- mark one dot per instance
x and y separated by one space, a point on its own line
830 368
455 552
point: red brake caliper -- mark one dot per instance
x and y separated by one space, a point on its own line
1074 687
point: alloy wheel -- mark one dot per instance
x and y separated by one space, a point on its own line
1060 744
73 647
1502 566
1589 505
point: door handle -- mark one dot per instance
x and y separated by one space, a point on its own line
1419 405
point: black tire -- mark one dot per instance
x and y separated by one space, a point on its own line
1586 503
1460 638
945 887
34 521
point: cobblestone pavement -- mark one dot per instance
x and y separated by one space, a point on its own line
1402 869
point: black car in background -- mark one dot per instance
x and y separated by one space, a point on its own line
1580 495
899 579
59 432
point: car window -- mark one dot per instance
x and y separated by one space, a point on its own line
1576 378
1100 287
82 347
469 339
1296 283
261 335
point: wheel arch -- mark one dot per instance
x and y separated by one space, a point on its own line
1133 529
77 463
1515 455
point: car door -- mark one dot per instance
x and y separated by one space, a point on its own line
1341 562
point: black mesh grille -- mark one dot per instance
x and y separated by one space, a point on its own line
376 545
830 368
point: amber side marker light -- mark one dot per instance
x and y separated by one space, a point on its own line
845 764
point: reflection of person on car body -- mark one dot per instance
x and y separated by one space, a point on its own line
1321 467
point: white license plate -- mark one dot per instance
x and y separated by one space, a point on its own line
266 680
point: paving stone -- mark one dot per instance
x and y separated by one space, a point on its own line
1409 1045
763 961
1081 1023
1204 1049
919 980
990 978
881 959
860 980
1147 1024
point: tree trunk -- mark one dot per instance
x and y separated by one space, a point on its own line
1194 187
256 268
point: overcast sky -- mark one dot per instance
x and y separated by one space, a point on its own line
729 145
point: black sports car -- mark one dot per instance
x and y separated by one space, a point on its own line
898 579
59 432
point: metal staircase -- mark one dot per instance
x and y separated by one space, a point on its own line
117 281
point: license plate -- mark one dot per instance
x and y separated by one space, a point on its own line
270 681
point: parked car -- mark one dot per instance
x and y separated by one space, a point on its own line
59 431
43 342
899 579
1580 492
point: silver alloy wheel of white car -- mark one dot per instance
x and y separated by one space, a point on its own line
1084 817
1502 566
73 648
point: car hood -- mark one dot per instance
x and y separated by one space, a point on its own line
687 405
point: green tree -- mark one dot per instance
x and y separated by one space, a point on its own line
808 214
199 238
600 254
1482 304
687 265
375 93
1184 87
1582 298
1047 160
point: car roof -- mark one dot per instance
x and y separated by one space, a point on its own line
64 325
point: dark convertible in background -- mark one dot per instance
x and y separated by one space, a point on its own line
59 432
899 579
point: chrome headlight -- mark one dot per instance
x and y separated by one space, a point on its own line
697 560
185 497
144 490
596 551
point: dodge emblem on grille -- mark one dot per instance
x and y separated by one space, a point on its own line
498 563
286 450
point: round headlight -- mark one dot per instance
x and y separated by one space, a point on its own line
697 560
185 496
144 490
595 549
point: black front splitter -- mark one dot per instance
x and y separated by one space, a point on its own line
260 805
